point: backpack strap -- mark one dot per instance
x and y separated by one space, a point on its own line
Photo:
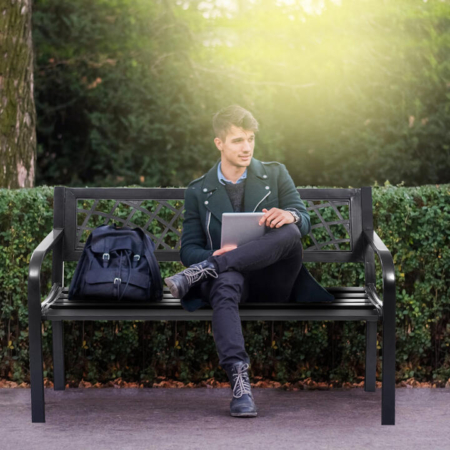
149 248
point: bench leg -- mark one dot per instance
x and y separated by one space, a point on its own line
371 356
36 370
58 355
388 371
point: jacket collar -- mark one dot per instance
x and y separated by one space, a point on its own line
257 187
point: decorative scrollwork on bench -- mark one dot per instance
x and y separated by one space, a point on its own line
160 219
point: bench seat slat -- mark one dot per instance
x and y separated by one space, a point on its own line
367 314
339 296
342 293
176 303
353 298
333 289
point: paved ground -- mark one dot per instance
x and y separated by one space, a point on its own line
125 419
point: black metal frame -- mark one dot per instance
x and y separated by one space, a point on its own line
352 303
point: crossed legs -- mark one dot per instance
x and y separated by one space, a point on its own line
263 270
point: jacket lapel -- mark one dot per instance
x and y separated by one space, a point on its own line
215 194
257 188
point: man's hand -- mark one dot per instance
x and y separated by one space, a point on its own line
224 249
276 217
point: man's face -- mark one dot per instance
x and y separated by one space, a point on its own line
237 149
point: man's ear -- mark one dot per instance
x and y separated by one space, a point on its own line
218 143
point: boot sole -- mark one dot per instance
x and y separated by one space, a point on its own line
172 287
247 414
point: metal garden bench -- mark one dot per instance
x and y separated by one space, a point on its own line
342 231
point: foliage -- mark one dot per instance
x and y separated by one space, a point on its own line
346 92
413 223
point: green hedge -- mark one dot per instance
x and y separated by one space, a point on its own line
413 223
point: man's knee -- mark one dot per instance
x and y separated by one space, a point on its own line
289 232
293 230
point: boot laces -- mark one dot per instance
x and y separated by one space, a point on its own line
194 274
242 385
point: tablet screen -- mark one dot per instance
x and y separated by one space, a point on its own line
240 228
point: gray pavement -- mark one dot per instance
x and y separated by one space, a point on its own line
106 419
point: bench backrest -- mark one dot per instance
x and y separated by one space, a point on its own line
338 217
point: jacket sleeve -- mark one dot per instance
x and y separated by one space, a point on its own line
193 238
289 198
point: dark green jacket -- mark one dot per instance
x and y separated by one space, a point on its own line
268 185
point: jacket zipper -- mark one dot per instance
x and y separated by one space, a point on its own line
208 219
261 201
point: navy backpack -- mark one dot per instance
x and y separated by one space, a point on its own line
117 263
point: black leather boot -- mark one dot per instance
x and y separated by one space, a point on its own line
242 404
195 274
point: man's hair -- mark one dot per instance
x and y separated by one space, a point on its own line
233 115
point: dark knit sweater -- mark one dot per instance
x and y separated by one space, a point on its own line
236 194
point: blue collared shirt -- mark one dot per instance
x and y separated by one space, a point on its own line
221 177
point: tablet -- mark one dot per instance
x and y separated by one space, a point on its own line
240 228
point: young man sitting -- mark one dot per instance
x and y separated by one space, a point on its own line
263 270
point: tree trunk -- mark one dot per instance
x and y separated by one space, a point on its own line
17 109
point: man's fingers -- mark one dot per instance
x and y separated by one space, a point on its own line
261 221
276 221
272 216
225 249
267 216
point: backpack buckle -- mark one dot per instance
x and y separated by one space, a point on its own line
117 280
106 256
136 257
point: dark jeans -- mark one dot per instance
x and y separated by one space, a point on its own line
263 270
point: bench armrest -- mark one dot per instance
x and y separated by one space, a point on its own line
34 271
387 265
